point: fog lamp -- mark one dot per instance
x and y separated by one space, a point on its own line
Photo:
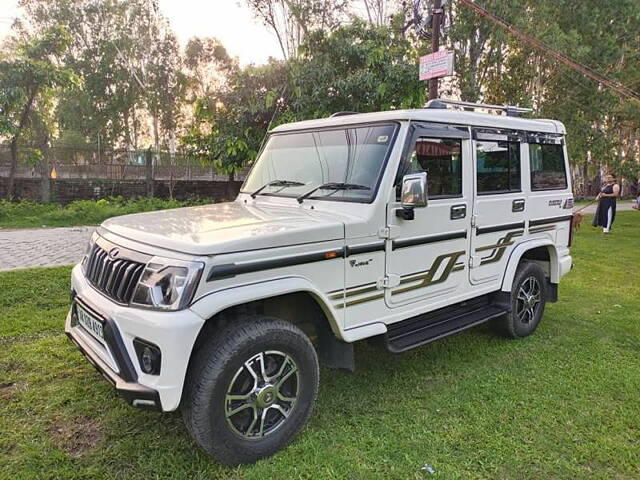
148 356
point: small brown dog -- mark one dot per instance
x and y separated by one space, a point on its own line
577 221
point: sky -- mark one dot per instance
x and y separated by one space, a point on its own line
242 35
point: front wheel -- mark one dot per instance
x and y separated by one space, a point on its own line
251 389
528 299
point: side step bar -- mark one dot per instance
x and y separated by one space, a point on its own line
425 328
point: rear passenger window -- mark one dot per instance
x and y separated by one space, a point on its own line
441 158
498 167
547 166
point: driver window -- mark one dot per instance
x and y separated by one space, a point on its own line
441 158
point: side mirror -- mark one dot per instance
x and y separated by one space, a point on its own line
414 190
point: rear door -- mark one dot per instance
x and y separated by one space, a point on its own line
500 205
427 256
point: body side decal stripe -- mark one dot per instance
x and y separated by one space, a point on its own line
542 229
544 221
232 269
364 248
411 242
499 228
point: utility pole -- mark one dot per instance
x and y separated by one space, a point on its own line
436 21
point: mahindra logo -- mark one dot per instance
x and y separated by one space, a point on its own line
114 252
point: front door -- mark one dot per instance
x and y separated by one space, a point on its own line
500 206
427 257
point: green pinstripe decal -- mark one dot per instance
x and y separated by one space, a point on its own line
498 249
426 279
546 228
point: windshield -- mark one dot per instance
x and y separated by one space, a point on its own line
354 155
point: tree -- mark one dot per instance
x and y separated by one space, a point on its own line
379 12
292 20
206 65
230 126
131 65
26 79
357 67
498 68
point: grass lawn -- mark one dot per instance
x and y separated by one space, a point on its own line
27 214
563 403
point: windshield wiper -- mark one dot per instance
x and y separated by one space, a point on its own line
332 186
277 183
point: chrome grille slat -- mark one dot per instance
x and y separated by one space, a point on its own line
116 278
126 278
112 275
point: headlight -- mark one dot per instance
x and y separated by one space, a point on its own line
167 284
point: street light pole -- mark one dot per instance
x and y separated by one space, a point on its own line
436 21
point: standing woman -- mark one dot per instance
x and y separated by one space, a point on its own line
606 212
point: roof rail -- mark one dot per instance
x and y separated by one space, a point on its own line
342 114
509 110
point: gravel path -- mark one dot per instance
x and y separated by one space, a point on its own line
42 247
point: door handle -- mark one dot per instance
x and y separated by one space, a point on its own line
518 205
458 211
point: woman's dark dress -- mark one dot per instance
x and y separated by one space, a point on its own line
602 214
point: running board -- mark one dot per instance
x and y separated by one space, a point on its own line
430 326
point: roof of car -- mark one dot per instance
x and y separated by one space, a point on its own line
445 116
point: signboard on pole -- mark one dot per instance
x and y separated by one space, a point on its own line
435 65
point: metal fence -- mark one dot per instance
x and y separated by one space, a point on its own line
84 163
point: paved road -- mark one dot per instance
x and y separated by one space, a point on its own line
42 247
48 247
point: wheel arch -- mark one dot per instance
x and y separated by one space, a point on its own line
293 299
217 302
542 251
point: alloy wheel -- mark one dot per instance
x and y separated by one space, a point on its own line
262 394
528 300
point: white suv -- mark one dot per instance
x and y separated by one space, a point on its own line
404 225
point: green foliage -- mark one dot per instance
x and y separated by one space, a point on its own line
230 127
355 67
133 71
27 77
25 214
496 67
131 65
561 404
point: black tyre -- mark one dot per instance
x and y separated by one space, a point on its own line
528 299
251 389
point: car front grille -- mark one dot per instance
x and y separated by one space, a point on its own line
117 278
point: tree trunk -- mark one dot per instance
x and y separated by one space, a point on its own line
45 179
14 143
12 167
230 185
149 171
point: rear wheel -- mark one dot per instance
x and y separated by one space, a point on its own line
528 299
251 389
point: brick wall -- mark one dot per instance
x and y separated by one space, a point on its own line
67 190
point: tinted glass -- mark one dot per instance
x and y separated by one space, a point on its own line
547 167
350 155
498 167
442 160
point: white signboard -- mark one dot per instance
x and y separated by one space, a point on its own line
438 64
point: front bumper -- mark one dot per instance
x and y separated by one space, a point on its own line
115 358
134 393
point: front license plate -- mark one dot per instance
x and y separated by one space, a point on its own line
90 323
